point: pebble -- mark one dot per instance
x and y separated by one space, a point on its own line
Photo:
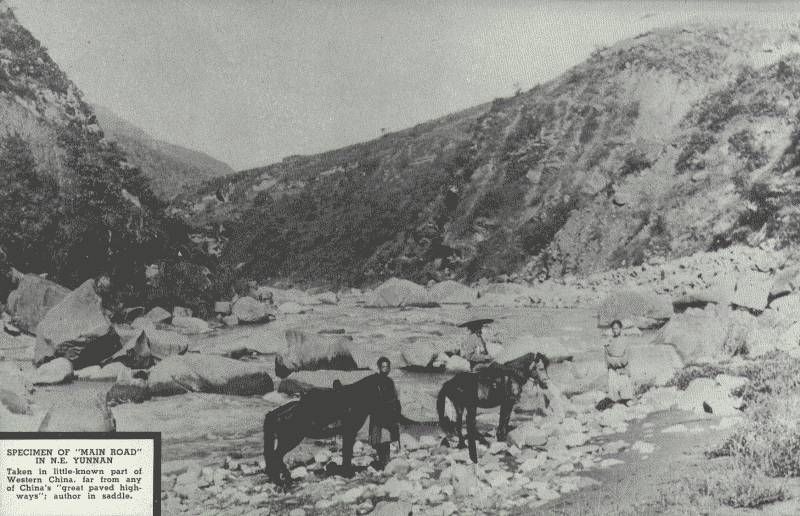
643 447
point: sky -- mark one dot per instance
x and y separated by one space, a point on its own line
250 82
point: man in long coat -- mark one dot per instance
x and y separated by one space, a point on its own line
383 423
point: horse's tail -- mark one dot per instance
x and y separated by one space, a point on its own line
444 422
269 438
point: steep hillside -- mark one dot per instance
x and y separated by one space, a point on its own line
73 206
678 140
169 167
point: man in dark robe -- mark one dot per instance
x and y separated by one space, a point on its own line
383 423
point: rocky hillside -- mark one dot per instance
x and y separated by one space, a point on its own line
73 205
676 141
169 167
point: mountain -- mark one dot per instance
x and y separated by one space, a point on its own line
74 206
170 167
678 140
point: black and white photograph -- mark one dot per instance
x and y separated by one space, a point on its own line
399 258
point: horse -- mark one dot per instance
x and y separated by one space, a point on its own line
320 414
494 385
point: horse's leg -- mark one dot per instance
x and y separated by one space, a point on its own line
286 443
348 441
459 423
472 432
505 416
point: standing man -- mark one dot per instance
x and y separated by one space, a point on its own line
383 424
620 385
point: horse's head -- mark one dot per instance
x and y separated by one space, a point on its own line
537 370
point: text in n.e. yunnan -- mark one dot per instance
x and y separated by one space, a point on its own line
64 477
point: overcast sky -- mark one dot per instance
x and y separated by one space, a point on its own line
250 82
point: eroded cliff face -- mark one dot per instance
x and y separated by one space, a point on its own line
675 141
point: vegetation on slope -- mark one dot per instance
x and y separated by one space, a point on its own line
625 157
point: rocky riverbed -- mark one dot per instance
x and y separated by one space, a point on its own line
212 443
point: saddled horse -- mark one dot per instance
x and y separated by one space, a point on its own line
320 414
493 386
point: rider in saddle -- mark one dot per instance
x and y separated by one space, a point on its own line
383 424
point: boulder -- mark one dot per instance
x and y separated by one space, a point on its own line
194 372
180 311
142 323
77 329
328 298
230 320
158 315
310 352
789 339
788 307
653 364
164 343
760 341
752 290
190 325
396 292
222 307
696 337
705 395
135 352
638 305
452 293
452 363
528 435
785 281
553 348
13 379
128 389
418 355
55 371
90 415
14 403
386 508
250 311
32 299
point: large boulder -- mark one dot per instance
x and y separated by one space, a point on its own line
706 395
643 307
752 290
90 415
552 347
788 307
310 352
785 281
53 372
165 343
77 329
696 337
194 372
32 299
653 364
14 403
418 355
248 310
396 292
452 293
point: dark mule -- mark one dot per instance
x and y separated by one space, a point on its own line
319 414
495 385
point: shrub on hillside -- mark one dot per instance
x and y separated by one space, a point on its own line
683 377
737 485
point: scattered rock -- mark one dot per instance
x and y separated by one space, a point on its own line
643 447
292 308
222 307
230 320
452 293
392 509
180 311
165 343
